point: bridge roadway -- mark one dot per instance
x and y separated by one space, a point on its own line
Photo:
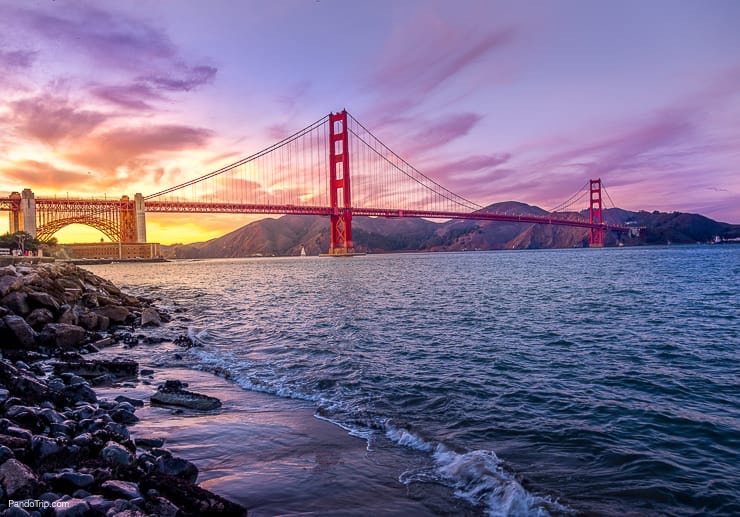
75 204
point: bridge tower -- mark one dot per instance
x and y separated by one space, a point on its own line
23 218
339 186
594 214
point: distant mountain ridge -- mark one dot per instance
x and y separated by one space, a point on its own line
286 235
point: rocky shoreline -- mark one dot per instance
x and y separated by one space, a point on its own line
63 451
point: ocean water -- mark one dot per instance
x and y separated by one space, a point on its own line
565 382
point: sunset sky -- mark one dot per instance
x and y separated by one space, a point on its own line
496 100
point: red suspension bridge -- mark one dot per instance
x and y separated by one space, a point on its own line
334 167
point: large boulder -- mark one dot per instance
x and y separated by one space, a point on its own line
40 299
17 302
20 332
62 335
18 481
173 394
115 313
39 317
150 318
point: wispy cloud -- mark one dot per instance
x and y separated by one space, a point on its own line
17 59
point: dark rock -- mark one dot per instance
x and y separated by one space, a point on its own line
119 368
118 430
8 283
83 440
17 302
173 394
77 479
62 335
146 372
5 454
19 332
80 393
178 467
133 402
13 443
43 447
4 394
71 507
39 317
149 442
18 481
68 316
43 300
25 386
125 489
50 416
116 454
16 511
124 417
115 313
191 499
150 318
99 504
88 320
160 507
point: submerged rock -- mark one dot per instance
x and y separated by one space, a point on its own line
118 368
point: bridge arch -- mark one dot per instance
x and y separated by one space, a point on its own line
108 228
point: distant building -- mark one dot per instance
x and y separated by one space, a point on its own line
111 250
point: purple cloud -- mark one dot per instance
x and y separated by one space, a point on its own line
18 59
189 79
442 131
134 96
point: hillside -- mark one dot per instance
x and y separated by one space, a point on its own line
285 236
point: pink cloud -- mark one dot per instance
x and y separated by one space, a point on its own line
116 147
52 119
39 175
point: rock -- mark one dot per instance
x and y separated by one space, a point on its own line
88 320
44 300
161 507
172 394
124 417
62 335
149 442
101 343
178 467
17 302
5 454
150 318
77 479
80 393
146 372
71 508
9 283
51 417
4 394
16 511
116 454
39 317
27 387
134 402
20 333
125 489
191 499
119 368
18 481
99 504
43 447
114 313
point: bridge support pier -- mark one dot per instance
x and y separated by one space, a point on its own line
339 186
140 217
595 216
23 219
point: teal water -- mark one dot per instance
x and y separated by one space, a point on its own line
529 382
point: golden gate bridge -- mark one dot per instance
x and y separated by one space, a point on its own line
334 167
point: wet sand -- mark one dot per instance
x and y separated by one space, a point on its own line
275 457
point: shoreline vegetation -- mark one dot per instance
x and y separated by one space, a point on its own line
64 450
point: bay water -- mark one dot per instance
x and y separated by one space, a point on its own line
547 382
